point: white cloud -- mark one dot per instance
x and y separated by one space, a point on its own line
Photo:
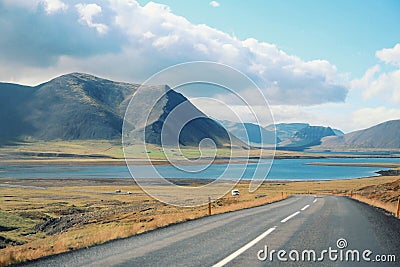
367 117
377 82
221 110
87 12
165 42
367 78
390 55
386 86
148 35
284 79
287 114
324 115
53 6
143 40
214 4
334 115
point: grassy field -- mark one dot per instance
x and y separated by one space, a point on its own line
111 150
44 217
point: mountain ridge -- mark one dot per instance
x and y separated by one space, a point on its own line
251 133
80 106
306 137
382 135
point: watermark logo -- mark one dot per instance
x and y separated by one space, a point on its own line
341 243
339 253
175 118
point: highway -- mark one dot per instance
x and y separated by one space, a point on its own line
328 225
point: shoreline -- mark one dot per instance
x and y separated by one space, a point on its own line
62 161
129 181
360 164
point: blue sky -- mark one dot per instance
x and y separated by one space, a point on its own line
333 63
346 33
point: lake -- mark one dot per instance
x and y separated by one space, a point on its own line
282 169
360 153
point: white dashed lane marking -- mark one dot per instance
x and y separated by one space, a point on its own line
305 207
290 217
257 239
244 248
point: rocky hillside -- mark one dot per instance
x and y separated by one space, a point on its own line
78 106
73 106
299 136
384 135
285 131
251 134
307 137
176 116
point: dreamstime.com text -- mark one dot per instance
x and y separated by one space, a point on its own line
341 253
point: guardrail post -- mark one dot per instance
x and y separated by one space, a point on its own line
398 208
209 205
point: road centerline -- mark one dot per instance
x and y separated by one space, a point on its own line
305 207
290 217
244 248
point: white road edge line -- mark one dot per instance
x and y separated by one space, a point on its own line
315 200
305 207
290 217
244 248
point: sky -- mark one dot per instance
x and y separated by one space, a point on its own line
331 63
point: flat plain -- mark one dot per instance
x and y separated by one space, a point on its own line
41 217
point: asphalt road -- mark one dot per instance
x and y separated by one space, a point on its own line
241 238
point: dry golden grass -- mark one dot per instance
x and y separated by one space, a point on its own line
388 206
384 195
80 238
108 215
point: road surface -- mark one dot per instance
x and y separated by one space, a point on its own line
247 237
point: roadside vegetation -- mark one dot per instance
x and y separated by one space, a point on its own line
46 217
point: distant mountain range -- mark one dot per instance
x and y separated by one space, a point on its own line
285 131
79 106
251 134
384 135
298 136
306 137
289 136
